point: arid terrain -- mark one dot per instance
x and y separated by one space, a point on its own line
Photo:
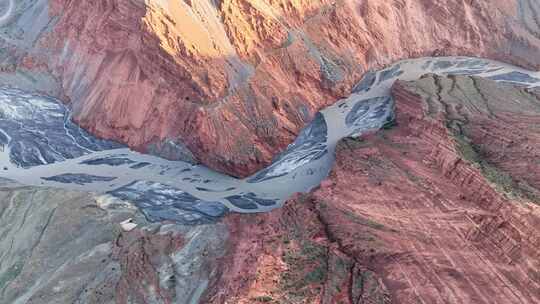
415 214
441 205
230 83
427 211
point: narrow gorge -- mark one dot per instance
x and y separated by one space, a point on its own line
249 151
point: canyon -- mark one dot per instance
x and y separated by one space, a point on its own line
41 146
279 151
230 83
426 210
409 215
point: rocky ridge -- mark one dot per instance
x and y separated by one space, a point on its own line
68 247
408 215
425 211
231 83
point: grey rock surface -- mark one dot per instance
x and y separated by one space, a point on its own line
55 247
59 247
173 150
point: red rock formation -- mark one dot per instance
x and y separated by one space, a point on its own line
420 213
235 81
430 211
140 255
289 256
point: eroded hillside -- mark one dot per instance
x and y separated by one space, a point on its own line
429 211
230 83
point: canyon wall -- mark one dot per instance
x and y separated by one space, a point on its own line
230 83
429 210
425 212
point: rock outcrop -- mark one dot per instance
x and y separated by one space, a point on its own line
430 211
230 83
68 247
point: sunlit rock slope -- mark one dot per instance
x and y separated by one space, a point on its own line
230 83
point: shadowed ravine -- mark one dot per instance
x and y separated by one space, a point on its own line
39 145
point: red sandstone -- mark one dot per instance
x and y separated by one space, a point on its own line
236 82
406 214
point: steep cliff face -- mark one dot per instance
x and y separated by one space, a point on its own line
230 83
495 127
426 212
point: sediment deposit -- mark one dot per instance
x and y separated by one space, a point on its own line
231 84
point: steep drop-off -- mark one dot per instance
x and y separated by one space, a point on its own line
428 211
230 83
425 212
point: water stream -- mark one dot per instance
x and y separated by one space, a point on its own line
40 146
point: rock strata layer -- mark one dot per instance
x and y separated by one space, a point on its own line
230 83
428 211
438 209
